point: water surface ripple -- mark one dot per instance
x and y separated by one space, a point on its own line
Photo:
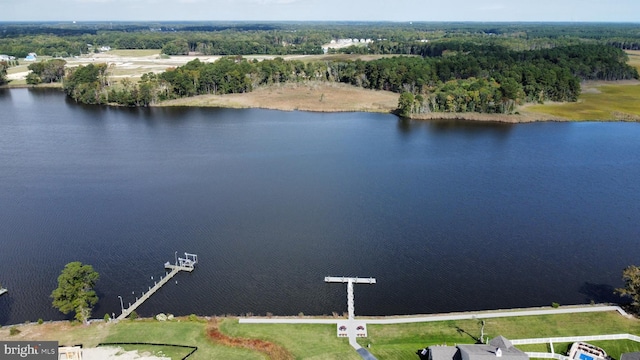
446 216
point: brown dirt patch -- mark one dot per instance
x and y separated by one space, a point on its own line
271 350
309 96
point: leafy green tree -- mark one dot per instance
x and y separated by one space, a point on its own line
631 289
75 290
33 79
86 83
176 47
3 72
46 71
405 104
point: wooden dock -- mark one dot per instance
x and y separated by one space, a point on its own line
186 264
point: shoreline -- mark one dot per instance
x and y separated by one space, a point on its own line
522 118
388 319
323 97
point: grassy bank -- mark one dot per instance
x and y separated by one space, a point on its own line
320 341
599 101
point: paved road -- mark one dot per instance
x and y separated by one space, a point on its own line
365 354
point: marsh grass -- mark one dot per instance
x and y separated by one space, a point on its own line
600 102
634 58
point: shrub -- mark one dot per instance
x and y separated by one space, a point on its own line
193 317
14 331
133 315
107 317
555 305
40 321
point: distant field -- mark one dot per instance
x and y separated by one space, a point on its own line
599 101
634 58
134 53
320 341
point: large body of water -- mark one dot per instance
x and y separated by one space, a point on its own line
446 216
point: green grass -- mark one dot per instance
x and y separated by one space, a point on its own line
634 58
402 341
174 332
305 341
320 341
613 102
16 69
614 348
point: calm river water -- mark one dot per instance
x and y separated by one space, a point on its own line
446 216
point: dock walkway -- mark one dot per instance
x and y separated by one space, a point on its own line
181 265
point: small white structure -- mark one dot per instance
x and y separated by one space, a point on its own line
351 328
345 327
70 353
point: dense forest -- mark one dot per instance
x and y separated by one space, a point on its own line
239 38
440 67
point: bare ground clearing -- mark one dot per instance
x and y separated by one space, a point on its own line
310 96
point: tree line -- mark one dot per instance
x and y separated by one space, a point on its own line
59 39
3 72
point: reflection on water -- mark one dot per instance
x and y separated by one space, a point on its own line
469 125
447 216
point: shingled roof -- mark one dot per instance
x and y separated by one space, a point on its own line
501 342
478 352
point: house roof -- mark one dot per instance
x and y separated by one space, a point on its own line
444 353
485 352
501 342
479 351
630 356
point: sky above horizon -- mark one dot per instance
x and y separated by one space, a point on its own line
321 10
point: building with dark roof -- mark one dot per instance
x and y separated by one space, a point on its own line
630 356
499 348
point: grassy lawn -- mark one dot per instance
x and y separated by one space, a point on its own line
603 102
401 341
174 332
320 341
305 341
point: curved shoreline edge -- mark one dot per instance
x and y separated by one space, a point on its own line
338 99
